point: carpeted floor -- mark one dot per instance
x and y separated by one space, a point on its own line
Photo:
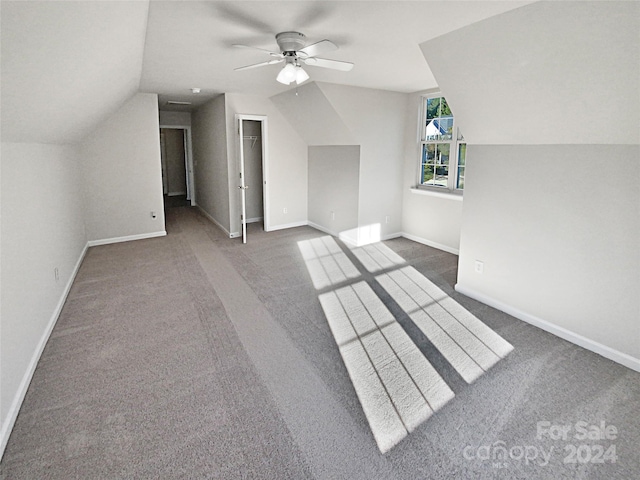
195 356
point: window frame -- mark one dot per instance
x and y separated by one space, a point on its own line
454 151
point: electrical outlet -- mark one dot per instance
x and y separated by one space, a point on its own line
386 219
284 210
56 274
479 266
333 215
153 214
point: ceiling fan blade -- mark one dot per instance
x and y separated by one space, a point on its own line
261 64
326 63
319 48
241 18
273 54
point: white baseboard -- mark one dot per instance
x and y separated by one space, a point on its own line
391 236
429 243
254 219
128 238
347 239
14 409
607 352
344 236
322 229
215 222
282 226
175 194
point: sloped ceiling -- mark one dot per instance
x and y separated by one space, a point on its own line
189 44
547 73
66 66
324 127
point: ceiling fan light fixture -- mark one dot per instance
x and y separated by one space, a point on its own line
287 74
293 50
301 75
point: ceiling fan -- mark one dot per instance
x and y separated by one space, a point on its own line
294 52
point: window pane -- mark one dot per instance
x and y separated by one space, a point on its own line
436 153
438 107
462 158
435 175
442 173
442 153
462 153
439 129
460 180
435 164
427 174
439 120
428 153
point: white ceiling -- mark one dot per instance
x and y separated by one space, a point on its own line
189 44
552 74
67 66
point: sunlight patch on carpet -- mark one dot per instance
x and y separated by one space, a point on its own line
377 257
468 344
396 385
327 263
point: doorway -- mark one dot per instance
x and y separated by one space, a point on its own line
177 170
252 131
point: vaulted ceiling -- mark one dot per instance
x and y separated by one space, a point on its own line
189 44
66 66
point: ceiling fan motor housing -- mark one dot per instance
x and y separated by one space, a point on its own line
291 41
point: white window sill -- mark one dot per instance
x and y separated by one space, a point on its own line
449 195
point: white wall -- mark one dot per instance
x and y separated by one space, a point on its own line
175 119
314 118
427 217
557 228
122 175
42 229
334 177
329 114
547 97
377 120
211 167
287 168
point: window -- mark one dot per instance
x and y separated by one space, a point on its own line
443 149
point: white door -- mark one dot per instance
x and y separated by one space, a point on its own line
242 186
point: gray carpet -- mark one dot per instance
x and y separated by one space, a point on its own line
194 356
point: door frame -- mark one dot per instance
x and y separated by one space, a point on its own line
188 160
163 162
264 128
